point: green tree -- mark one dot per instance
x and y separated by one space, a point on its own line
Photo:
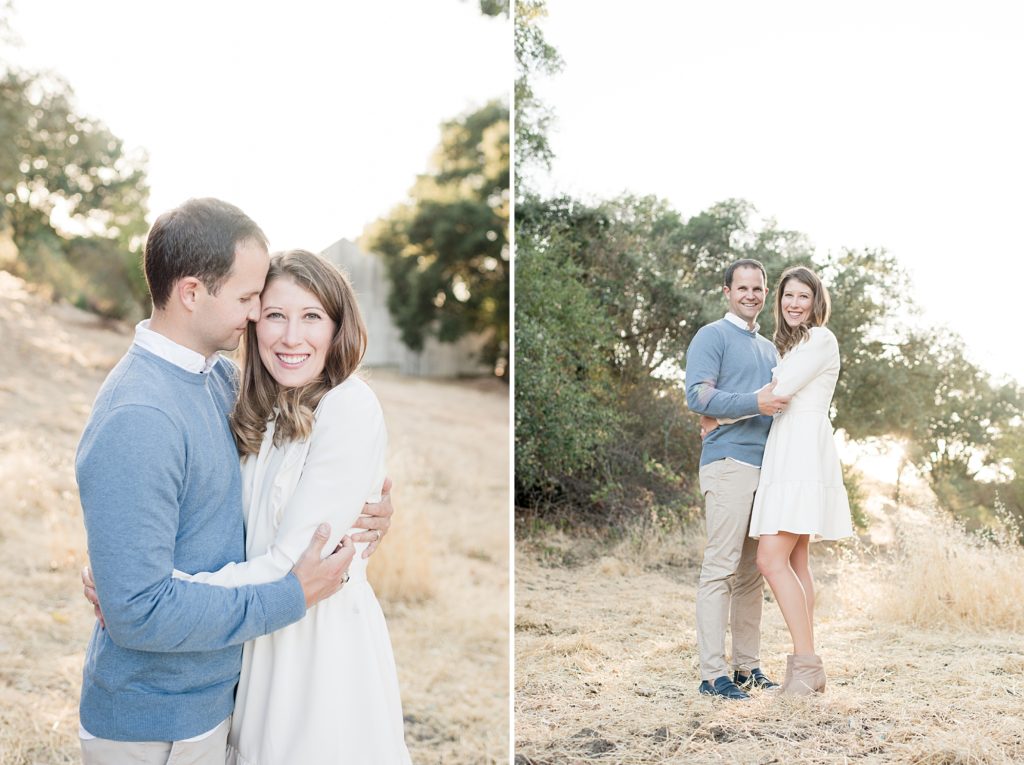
74 203
535 56
959 412
446 250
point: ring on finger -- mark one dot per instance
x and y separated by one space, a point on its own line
379 535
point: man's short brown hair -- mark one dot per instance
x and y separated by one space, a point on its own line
196 239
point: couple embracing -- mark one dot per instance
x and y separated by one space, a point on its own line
194 556
769 473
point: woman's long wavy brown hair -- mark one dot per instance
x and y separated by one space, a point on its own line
259 393
786 337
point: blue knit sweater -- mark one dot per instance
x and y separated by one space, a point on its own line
724 364
161 489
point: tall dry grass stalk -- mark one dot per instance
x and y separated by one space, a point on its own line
943 576
400 570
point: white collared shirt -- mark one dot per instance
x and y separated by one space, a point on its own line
168 350
190 361
734 319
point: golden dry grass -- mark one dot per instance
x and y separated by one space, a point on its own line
921 640
442 572
943 576
449 621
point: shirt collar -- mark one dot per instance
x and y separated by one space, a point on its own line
734 319
168 350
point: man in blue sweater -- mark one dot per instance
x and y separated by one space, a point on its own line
161 489
728 376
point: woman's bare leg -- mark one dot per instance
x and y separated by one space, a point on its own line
801 563
773 560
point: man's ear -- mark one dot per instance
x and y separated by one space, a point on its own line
187 292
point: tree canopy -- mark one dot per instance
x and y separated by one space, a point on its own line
535 56
74 201
446 250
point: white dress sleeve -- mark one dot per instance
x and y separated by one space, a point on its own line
731 420
346 449
806 361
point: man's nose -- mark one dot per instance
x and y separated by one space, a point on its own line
254 312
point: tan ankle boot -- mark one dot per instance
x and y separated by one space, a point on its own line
808 675
789 673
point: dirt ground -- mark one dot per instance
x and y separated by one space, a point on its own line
442 573
921 640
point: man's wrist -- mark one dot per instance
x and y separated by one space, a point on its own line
751 405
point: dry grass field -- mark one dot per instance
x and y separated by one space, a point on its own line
920 632
442 573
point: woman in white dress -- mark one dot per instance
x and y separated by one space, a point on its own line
312 436
800 494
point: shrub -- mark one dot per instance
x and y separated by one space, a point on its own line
563 414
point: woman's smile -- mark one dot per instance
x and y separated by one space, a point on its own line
294 333
292 361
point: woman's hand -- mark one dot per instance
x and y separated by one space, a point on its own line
707 424
89 591
376 519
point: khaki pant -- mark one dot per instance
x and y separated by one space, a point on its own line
730 591
211 750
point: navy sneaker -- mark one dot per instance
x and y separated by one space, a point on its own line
722 686
756 679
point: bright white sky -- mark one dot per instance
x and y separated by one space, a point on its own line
869 124
314 117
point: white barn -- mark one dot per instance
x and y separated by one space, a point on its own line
385 347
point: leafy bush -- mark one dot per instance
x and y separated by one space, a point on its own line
563 412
